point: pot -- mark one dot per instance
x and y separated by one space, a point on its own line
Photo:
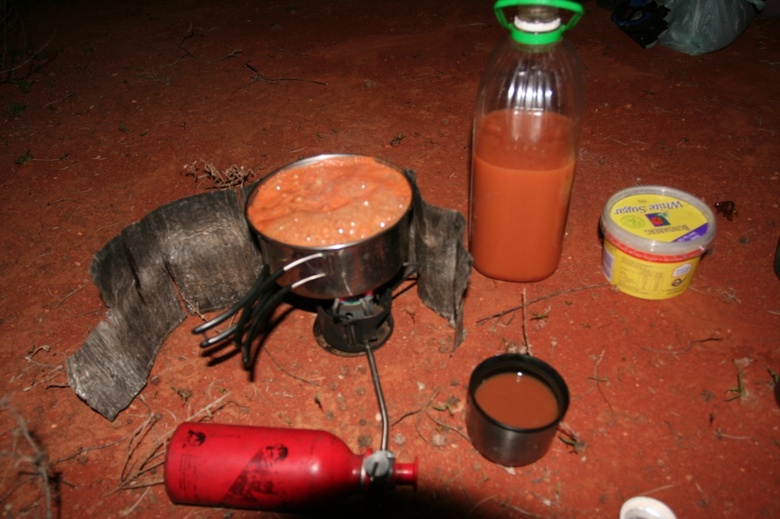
350 269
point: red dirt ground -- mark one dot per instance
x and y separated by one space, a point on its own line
133 91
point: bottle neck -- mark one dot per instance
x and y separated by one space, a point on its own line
536 25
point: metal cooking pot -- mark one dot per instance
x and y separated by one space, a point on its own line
350 269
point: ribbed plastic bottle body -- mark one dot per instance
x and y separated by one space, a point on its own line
259 468
524 151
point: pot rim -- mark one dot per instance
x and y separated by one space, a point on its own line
338 246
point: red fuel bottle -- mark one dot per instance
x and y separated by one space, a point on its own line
272 469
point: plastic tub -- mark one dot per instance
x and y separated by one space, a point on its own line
642 507
654 237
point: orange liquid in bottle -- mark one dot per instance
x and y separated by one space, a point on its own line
520 191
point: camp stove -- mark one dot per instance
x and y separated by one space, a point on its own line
292 469
351 278
211 254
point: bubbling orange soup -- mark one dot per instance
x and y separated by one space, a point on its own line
333 201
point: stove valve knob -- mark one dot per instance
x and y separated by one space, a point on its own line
378 466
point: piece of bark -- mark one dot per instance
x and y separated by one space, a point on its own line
207 248
201 243
443 263
112 366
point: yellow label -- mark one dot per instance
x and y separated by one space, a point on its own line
646 279
659 217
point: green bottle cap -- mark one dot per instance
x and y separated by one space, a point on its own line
538 31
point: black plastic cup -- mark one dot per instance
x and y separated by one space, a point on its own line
502 443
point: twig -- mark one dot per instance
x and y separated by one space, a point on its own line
442 424
67 296
525 327
521 510
82 450
599 380
657 489
505 504
720 435
232 54
405 416
480 503
55 372
129 479
187 35
135 440
128 511
232 177
686 349
502 313
568 436
33 351
258 76
280 368
420 414
39 459
57 100
28 60
55 202
740 391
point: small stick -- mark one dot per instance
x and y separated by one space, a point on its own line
39 458
82 450
128 511
528 303
209 409
70 294
686 349
570 437
421 413
441 424
505 504
58 201
280 368
525 327
720 435
33 351
57 100
189 34
405 415
600 380
258 76
55 372
138 435
657 489
480 503
232 54
28 60
127 478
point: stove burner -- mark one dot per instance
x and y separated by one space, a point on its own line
349 326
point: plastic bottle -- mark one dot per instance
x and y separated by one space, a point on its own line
272 469
525 140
